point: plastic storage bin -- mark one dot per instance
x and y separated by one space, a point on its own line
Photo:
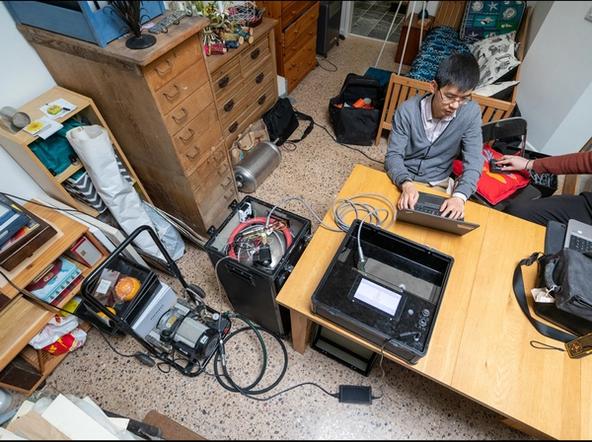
130 310
78 19
252 288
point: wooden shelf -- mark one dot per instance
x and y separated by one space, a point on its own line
22 319
45 362
71 170
68 232
18 146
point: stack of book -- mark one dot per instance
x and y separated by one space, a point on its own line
11 221
21 233
56 281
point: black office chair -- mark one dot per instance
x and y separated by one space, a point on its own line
505 134
508 136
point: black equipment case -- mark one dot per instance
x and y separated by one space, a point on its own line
252 288
394 299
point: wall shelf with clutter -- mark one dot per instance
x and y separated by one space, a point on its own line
70 108
23 368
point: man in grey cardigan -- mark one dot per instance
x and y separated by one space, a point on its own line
430 131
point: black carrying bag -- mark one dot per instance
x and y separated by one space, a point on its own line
282 120
567 275
351 125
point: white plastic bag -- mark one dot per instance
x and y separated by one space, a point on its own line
57 327
168 234
93 147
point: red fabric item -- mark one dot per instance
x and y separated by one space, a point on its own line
494 187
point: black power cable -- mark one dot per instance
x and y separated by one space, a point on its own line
333 66
349 147
225 380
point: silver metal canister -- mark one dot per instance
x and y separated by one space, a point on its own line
256 166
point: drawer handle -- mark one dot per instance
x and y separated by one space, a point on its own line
229 105
181 115
223 82
164 68
191 133
255 54
262 99
171 97
191 153
233 127
259 78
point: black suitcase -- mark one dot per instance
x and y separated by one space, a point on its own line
252 288
351 125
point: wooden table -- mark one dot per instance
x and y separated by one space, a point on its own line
480 346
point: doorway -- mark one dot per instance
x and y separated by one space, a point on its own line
372 19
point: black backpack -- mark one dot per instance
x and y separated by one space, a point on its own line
351 125
282 120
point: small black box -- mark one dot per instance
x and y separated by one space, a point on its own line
251 286
393 299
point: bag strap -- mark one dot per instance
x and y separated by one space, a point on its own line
518 285
308 129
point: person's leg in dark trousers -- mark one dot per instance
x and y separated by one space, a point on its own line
560 208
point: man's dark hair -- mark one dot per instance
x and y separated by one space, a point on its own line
460 70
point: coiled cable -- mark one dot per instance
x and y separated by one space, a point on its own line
342 207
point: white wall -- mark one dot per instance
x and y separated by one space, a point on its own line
22 77
555 79
576 127
540 10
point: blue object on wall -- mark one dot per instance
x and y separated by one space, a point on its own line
99 26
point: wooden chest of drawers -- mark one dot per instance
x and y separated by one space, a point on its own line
296 36
174 111
244 81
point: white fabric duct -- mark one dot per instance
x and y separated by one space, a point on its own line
93 146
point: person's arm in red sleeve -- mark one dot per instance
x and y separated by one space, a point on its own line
574 163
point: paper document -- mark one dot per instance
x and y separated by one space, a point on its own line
57 108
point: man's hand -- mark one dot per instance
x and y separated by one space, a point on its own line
453 208
409 196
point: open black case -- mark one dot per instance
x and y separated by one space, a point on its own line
251 287
393 298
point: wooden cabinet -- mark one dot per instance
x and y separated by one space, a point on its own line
174 111
18 146
412 47
23 368
296 36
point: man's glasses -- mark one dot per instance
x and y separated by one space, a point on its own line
448 100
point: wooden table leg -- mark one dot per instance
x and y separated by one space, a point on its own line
300 331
